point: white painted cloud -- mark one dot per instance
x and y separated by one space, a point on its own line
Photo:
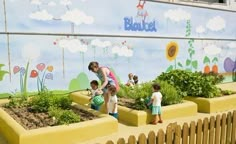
200 29
78 17
41 15
73 45
52 3
177 15
232 45
212 50
65 2
99 43
30 52
122 51
216 24
36 2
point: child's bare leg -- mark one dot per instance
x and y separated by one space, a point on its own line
160 120
106 98
154 119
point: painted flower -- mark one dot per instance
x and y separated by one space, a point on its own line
22 70
41 66
16 69
49 76
33 74
172 50
50 68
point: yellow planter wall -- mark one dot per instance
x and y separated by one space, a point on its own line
64 134
137 118
218 104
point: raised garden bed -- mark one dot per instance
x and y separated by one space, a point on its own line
141 117
19 126
217 104
30 120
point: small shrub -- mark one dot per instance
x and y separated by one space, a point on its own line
45 100
63 116
191 84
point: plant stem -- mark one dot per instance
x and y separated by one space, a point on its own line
25 79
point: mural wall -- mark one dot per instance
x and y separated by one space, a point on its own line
29 62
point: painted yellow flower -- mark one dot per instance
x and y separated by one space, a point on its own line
172 50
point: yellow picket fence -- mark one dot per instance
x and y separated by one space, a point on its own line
220 129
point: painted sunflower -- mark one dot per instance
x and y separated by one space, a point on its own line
172 50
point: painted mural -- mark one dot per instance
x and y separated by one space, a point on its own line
32 62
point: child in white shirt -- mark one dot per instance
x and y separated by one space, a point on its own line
112 102
156 103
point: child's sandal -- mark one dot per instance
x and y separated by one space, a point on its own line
160 121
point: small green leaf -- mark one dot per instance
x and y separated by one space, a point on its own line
215 59
195 64
169 68
179 64
2 73
188 62
206 60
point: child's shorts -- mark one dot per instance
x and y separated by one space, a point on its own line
95 107
156 110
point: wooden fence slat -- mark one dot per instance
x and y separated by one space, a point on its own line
169 133
228 130
177 136
217 130
205 131
121 141
233 136
151 137
160 137
109 142
199 132
192 132
211 130
185 134
223 129
131 140
142 139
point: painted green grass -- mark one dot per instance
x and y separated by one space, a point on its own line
4 95
59 92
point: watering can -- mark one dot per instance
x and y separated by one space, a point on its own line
97 100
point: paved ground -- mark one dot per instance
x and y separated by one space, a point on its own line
124 131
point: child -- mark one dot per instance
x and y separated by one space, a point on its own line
95 91
156 103
112 101
135 78
130 82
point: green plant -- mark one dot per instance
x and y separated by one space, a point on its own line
144 90
16 99
45 99
217 78
191 83
227 92
63 116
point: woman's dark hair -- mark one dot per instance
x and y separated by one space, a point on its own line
156 86
92 65
95 82
135 78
